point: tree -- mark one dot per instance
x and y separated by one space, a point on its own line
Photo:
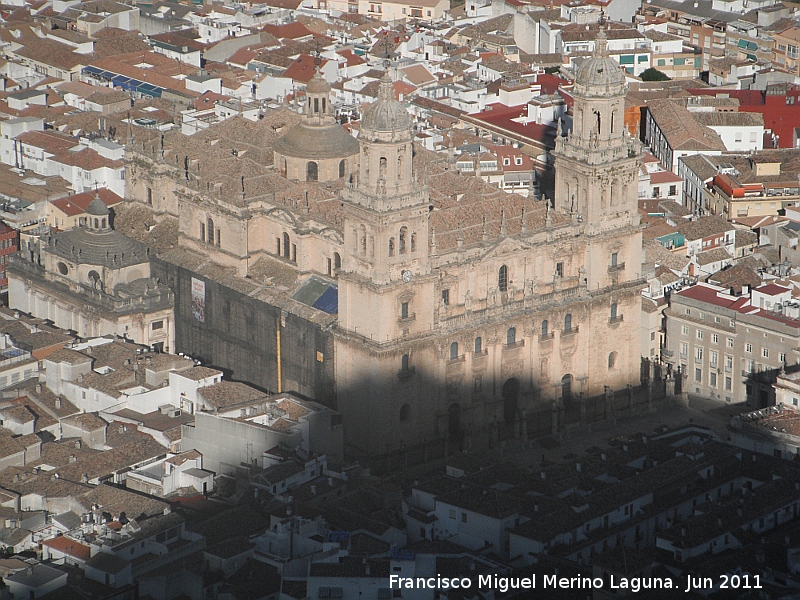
653 74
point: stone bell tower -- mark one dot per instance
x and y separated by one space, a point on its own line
596 167
385 224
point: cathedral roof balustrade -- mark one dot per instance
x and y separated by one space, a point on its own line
159 296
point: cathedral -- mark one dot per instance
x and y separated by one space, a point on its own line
420 303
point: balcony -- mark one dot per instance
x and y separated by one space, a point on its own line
616 268
728 368
683 355
547 337
667 353
404 374
407 320
514 345
615 320
569 332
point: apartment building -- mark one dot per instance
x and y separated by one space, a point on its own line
731 347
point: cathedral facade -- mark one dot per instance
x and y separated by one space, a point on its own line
457 306
438 338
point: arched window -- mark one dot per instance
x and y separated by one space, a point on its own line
337 261
382 169
399 167
404 362
312 172
478 345
612 360
96 223
286 245
219 238
502 279
202 232
403 234
362 238
613 310
413 242
545 328
391 246
341 168
511 336
405 413
210 230
454 351
568 322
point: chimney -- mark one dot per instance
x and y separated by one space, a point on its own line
38 388
58 402
77 444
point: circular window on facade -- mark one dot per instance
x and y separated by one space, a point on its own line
63 268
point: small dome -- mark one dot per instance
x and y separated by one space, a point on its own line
97 208
600 71
385 115
318 85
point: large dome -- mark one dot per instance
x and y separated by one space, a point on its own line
386 115
601 73
316 142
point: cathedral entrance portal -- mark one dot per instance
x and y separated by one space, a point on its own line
566 388
510 400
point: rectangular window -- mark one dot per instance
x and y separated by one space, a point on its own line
560 269
463 517
446 297
699 334
404 310
748 347
714 338
728 361
730 342
688 311
157 325
614 259
673 190
698 375
765 352
685 330
714 356
712 379
728 384
782 357
750 366
698 353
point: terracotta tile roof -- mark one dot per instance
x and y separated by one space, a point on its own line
230 393
293 30
303 67
78 203
56 54
69 546
681 129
